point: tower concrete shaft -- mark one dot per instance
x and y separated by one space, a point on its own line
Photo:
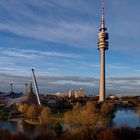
102 76
102 46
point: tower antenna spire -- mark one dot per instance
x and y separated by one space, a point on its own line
103 18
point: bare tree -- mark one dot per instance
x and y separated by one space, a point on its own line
77 106
82 116
25 107
32 112
45 114
107 109
91 107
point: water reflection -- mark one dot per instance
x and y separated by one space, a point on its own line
19 126
126 117
11 126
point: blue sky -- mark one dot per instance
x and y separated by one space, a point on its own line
58 38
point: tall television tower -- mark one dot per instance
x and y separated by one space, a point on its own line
102 46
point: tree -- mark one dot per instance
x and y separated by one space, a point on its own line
25 107
58 128
81 116
77 106
91 107
138 110
45 114
109 134
107 110
32 112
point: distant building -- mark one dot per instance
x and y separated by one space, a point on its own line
76 94
71 94
81 93
112 96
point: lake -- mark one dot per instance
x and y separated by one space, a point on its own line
126 117
122 117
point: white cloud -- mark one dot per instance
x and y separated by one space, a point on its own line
77 34
50 21
34 54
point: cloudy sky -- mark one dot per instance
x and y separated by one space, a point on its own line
58 38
